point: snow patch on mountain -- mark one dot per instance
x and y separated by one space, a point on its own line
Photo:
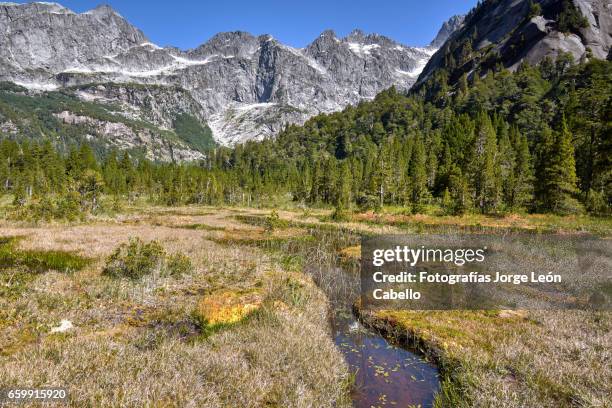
427 50
362 49
37 86
234 125
150 44
180 63
310 61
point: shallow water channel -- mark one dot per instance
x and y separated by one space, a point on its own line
386 374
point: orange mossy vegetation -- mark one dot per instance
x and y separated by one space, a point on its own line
227 306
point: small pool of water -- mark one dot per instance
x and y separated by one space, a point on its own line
386 375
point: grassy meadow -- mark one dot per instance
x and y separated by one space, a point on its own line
234 329
210 306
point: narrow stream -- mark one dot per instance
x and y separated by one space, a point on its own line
386 375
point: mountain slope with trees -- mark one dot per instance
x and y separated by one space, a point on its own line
516 136
157 123
508 32
537 139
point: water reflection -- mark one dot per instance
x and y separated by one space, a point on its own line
386 375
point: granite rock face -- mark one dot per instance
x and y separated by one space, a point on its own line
245 87
120 136
157 105
40 39
511 31
448 28
597 35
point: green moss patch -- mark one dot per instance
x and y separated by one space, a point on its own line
38 260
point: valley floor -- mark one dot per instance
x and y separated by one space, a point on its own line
147 342
245 327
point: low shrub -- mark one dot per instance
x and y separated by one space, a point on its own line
367 202
178 264
60 207
596 203
340 215
136 258
273 221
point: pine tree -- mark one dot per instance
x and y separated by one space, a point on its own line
90 188
521 194
304 184
87 158
485 169
418 175
434 145
560 172
460 194
343 193
444 167
507 164
343 188
330 181
317 183
113 178
446 202
20 196
380 179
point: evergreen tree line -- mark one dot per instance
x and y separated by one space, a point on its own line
50 185
537 139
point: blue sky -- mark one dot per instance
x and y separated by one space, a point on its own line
187 24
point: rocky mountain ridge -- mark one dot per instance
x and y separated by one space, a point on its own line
508 32
448 28
243 86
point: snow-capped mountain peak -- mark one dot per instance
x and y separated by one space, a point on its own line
247 86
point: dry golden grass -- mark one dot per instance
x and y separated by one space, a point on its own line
351 253
354 225
141 343
543 222
513 358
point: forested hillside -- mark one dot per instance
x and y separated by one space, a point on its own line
537 139
154 125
